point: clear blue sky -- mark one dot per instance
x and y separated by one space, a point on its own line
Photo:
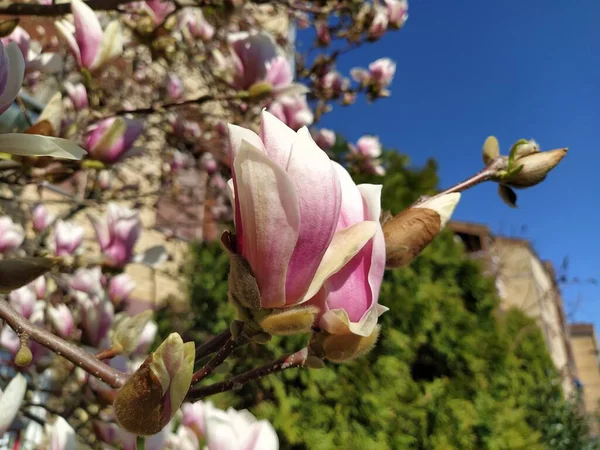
515 69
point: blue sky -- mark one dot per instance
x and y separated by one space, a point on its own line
515 69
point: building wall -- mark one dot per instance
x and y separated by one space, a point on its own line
585 353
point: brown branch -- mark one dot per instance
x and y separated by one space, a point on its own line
88 362
159 108
57 9
297 359
213 344
215 361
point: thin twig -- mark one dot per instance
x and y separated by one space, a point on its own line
88 362
213 344
285 362
215 361
57 9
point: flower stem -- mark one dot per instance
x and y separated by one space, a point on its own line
285 362
88 362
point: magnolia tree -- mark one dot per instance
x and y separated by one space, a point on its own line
219 87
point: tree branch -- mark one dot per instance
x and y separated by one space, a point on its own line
57 9
88 362
297 359
216 360
213 344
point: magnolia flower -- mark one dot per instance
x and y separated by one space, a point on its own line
183 439
258 59
104 179
379 24
160 384
397 11
237 430
60 435
88 281
11 234
174 87
35 59
91 47
77 94
10 401
112 434
179 160
119 288
61 319
324 138
333 82
379 76
98 314
195 22
40 287
117 233
12 71
160 9
368 146
146 338
209 163
292 110
348 299
23 300
110 140
193 417
323 33
67 238
40 217
287 198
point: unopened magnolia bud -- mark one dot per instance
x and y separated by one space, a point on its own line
260 89
127 332
535 168
345 347
236 327
524 147
261 337
290 321
17 272
153 394
23 356
408 233
314 362
8 26
491 149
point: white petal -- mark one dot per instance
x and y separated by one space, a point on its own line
443 205
11 400
53 112
47 63
239 134
111 46
36 145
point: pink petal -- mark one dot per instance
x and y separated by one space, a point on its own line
277 137
88 32
270 217
319 199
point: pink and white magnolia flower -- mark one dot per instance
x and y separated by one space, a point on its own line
293 110
117 233
61 319
258 59
91 47
40 217
237 430
10 401
60 435
11 234
334 83
88 281
68 236
77 94
98 314
367 146
40 287
397 11
194 21
380 74
12 72
23 300
379 24
35 59
160 9
146 338
174 87
111 140
193 417
324 138
120 287
104 179
287 198
349 298
209 163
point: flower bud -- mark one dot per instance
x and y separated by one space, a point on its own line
128 331
535 168
340 348
154 393
408 233
61 318
290 321
17 272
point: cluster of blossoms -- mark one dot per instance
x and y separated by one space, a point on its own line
309 249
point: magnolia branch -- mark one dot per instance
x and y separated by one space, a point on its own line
88 362
216 360
297 359
57 9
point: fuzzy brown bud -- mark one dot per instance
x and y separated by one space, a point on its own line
17 272
536 167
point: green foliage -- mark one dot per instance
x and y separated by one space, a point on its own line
449 371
